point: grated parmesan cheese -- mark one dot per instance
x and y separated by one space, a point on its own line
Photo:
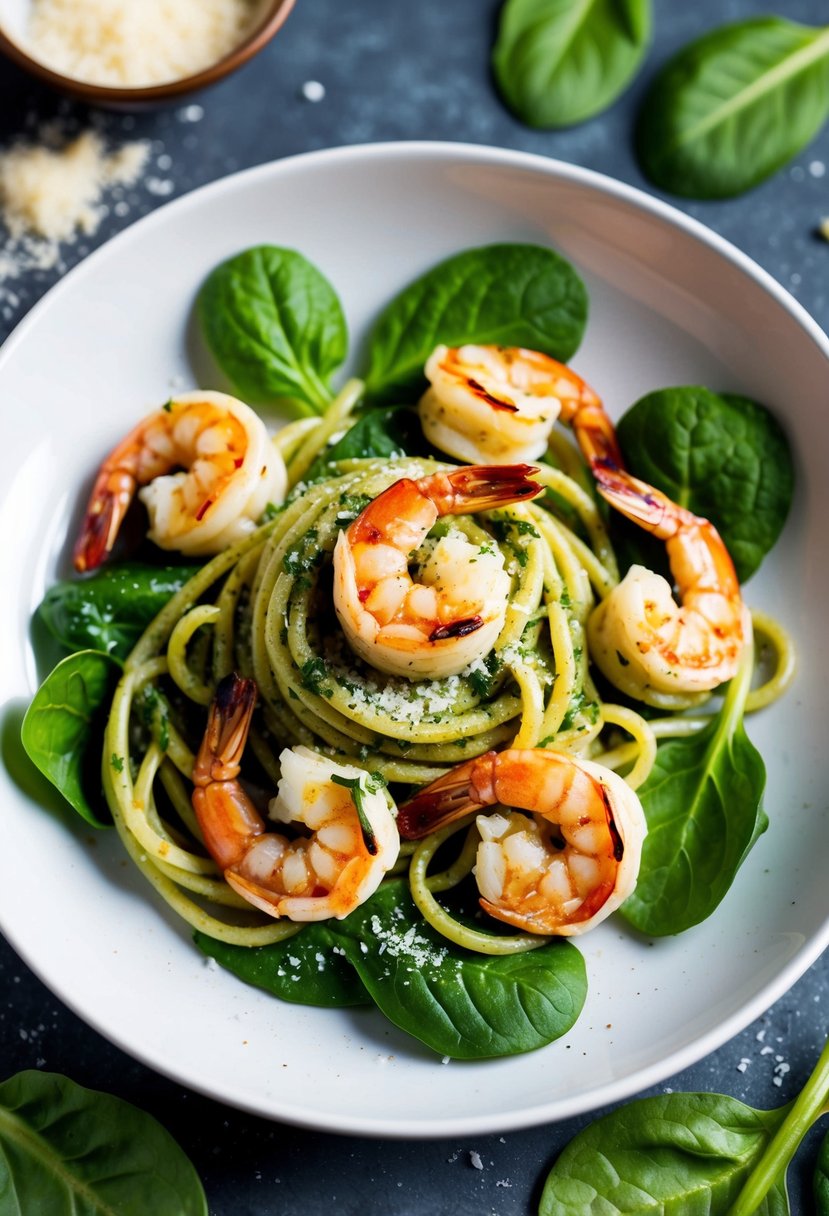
55 193
137 42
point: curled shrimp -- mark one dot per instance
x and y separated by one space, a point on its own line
500 403
351 839
208 470
645 642
562 868
454 613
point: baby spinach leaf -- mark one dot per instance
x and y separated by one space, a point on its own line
109 610
559 62
686 1153
821 1179
62 729
389 432
724 457
670 1153
275 326
512 295
308 969
460 1003
734 106
70 1151
703 805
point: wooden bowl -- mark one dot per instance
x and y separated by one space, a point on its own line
131 97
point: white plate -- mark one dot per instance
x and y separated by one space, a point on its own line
670 304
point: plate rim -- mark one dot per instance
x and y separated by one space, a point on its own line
642 201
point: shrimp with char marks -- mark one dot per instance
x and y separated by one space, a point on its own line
500 403
562 868
646 643
351 839
436 626
208 470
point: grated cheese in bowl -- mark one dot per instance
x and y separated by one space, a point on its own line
137 43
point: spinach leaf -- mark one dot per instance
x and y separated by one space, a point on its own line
62 729
461 1004
70 1151
308 969
703 805
109 610
390 432
656 1154
682 1153
558 62
821 1179
275 327
512 295
734 106
722 456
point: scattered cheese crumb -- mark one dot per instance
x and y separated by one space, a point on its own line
312 90
475 1160
54 193
817 168
136 42
743 1065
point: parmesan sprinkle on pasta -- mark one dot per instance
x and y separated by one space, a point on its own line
137 42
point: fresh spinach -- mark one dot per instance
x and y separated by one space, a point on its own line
62 727
734 106
275 326
110 610
821 1178
461 1004
387 432
67 1151
724 457
559 62
308 969
686 1152
512 295
703 804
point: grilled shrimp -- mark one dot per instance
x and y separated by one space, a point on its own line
645 642
500 403
562 868
436 626
207 468
351 839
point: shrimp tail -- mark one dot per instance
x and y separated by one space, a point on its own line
227 731
480 487
108 504
442 802
636 500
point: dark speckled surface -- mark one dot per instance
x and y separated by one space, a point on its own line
396 70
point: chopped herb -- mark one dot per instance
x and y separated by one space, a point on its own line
168 406
354 784
271 511
623 662
314 673
117 763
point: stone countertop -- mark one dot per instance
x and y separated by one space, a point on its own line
395 70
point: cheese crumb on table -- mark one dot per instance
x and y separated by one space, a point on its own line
55 193
137 42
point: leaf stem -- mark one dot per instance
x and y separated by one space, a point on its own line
812 1102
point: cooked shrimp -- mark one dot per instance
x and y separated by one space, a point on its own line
208 469
436 626
500 403
559 870
352 839
645 642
